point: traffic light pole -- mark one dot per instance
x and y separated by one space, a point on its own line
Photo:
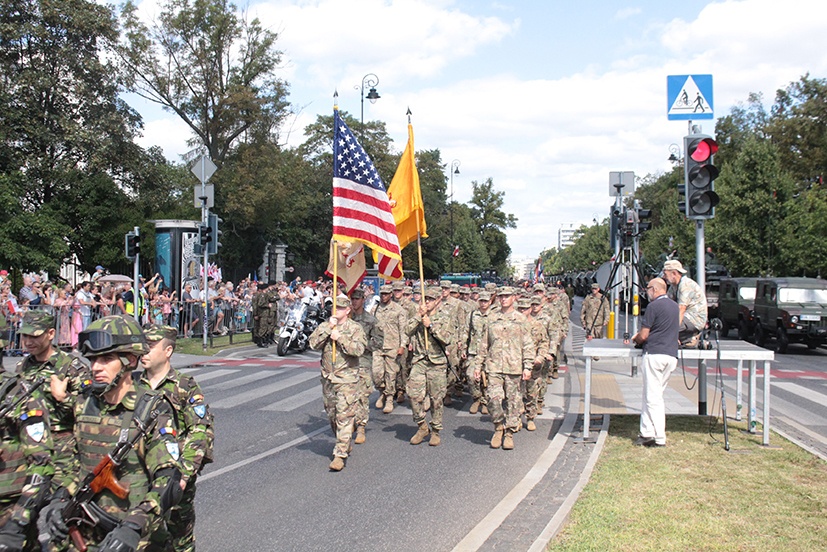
137 299
700 263
205 214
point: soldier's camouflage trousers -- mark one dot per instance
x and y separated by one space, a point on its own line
477 390
533 389
365 387
385 372
505 387
178 534
341 401
404 371
428 379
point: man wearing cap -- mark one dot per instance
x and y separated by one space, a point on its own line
533 387
64 377
195 424
558 315
594 313
341 341
392 320
403 296
456 349
431 331
373 332
506 353
99 272
691 301
478 387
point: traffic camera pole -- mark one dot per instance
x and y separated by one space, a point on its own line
137 299
205 213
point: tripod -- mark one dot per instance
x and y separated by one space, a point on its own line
612 283
716 325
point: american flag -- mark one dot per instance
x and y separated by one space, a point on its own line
361 210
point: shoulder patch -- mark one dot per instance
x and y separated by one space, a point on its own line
31 414
36 431
200 410
167 431
172 449
196 398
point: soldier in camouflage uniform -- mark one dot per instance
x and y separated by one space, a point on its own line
373 332
435 324
594 313
533 387
273 299
691 301
392 319
456 348
64 375
195 423
402 295
478 387
341 341
112 410
506 353
25 453
258 303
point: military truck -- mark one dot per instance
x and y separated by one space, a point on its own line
736 300
793 310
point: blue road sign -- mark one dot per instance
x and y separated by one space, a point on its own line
689 97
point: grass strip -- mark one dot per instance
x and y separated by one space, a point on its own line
694 495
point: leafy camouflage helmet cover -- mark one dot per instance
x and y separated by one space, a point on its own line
113 334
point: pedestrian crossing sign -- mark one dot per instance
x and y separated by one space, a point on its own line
689 97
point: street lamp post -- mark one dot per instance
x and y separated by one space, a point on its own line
454 170
370 80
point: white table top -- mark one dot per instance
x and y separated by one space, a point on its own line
730 350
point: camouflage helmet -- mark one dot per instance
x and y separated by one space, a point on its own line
112 334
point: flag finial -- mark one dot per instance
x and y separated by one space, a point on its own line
335 99
409 115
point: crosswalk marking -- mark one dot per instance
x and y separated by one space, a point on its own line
297 400
801 391
215 374
244 380
259 392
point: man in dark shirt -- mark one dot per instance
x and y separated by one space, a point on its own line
659 337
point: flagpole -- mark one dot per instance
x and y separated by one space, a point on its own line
421 278
335 285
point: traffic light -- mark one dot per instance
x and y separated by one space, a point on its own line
204 234
682 197
132 245
214 243
700 175
643 219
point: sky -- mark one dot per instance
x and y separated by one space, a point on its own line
545 97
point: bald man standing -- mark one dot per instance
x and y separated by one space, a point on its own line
659 337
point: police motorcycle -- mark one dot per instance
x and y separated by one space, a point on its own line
302 319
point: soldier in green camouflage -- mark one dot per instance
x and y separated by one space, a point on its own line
341 341
479 399
392 319
594 313
506 353
114 409
195 423
456 348
273 299
25 452
373 331
65 376
533 387
431 331
402 296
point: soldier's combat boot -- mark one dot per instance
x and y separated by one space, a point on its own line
554 374
497 439
530 425
380 402
388 405
400 397
508 441
475 407
337 464
420 434
484 409
435 440
447 401
360 435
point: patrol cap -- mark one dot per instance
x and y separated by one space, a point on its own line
343 302
445 284
536 301
538 287
484 296
36 323
506 290
408 290
595 286
387 288
397 285
464 290
523 303
454 288
157 332
490 286
433 292
357 293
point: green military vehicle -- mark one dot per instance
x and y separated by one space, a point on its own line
736 300
793 310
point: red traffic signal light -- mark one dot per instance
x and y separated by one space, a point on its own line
700 175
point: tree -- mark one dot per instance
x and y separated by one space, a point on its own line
209 65
492 221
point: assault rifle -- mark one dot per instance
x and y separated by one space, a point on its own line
12 400
80 510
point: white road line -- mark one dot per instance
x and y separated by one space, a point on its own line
801 391
254 394
244 380
215 374
294 402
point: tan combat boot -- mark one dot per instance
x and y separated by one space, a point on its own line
337 464
555 374
360 435
497 439
508 441
530 425
475 407
388 405
420 434
484 409
447 400
380 402
435 440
